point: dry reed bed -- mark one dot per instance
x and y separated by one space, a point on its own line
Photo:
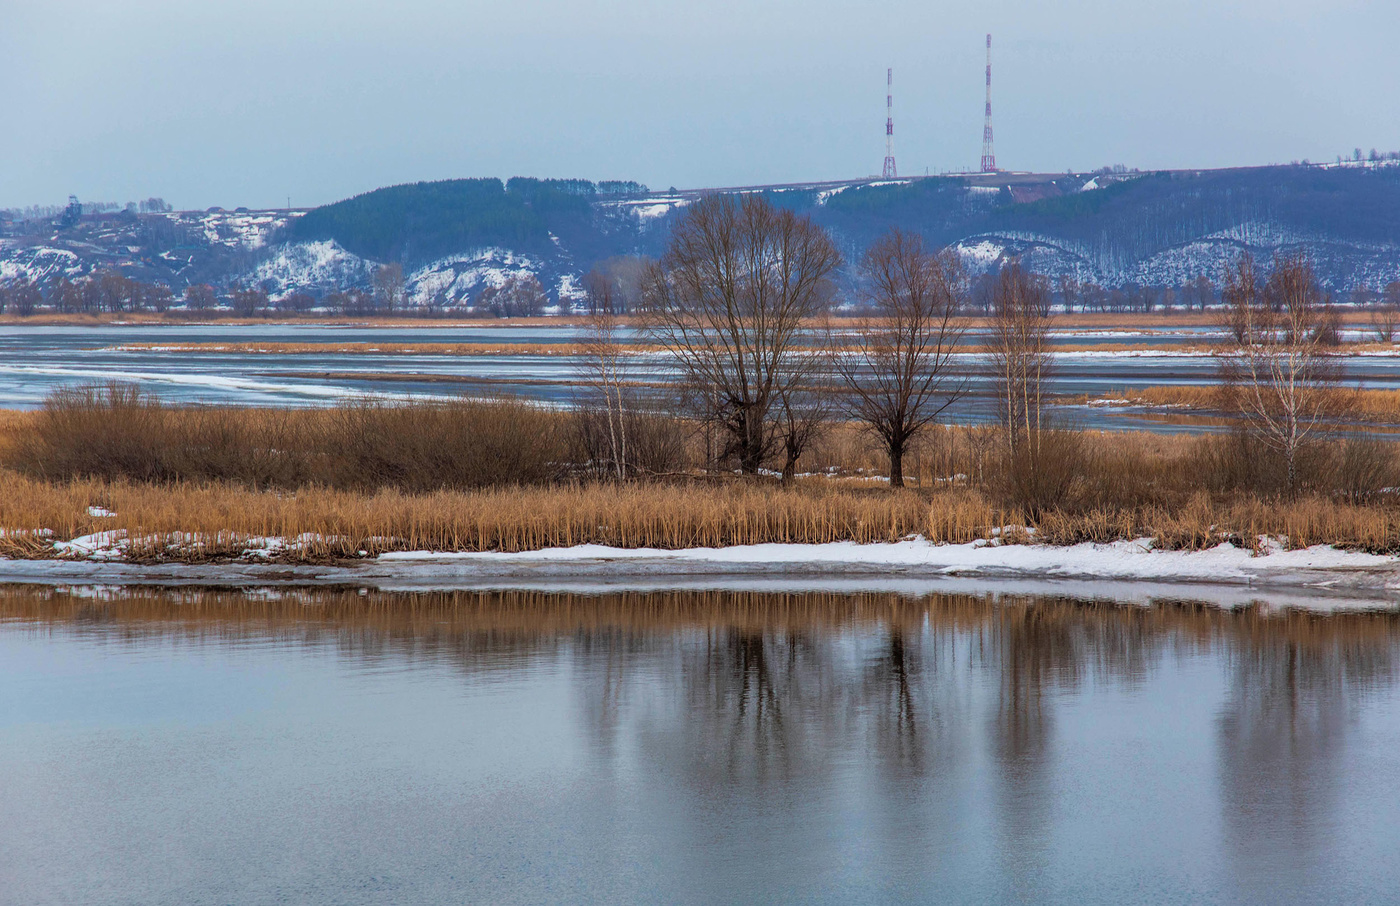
1365 405
185 522
200 522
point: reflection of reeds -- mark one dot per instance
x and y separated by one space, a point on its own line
1045 642
386 348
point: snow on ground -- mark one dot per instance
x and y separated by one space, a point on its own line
649 210
984 252
460 276
312 264
1126 572
826 194
1123 560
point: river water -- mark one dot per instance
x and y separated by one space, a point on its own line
353 746
35 361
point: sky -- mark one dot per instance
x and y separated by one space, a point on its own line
249 102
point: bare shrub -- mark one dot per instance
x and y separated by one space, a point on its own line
117 432
1366 470
458 444
110 431
1040 474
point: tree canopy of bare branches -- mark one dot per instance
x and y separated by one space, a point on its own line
899 377
729 299
1280 374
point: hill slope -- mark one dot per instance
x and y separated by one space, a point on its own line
455 237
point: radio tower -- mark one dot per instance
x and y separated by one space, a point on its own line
989 159
888 171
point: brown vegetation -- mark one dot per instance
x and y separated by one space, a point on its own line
1377 407
116 432
198 483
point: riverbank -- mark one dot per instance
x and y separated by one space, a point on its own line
1127 573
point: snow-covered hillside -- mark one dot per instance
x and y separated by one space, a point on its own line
1110 228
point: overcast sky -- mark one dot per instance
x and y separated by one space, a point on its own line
244 102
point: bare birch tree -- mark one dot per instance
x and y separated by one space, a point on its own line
729 299
1279 373
1019 354
604 371
899 376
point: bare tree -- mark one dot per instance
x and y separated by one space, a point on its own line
519 296
200 296
248 301
389 287
1069 292
729 299
1384 318
899 376
1279 374
601 293
604 372
1019 354
805 406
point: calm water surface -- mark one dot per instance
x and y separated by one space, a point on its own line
296 746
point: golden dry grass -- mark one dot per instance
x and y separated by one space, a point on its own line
197 522
1378 406
200 522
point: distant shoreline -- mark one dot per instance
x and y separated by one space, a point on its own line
1058 320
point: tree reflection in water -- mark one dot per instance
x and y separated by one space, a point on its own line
737 695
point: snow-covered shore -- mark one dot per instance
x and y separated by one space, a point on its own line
1320 577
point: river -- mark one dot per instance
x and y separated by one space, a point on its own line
35 361
359 746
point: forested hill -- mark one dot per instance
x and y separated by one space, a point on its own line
455 238
419 223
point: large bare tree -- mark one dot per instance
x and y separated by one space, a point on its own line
730 298
899 376
1280 372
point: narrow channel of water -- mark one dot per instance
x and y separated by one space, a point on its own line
338 746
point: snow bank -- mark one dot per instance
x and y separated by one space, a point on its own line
1127 573
1123 560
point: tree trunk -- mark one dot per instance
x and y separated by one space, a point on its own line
897 465
790 466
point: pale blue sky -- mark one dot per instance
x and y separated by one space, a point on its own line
249 101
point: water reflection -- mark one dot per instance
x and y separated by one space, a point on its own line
830 742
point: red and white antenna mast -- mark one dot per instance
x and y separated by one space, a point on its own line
989 159
888 171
